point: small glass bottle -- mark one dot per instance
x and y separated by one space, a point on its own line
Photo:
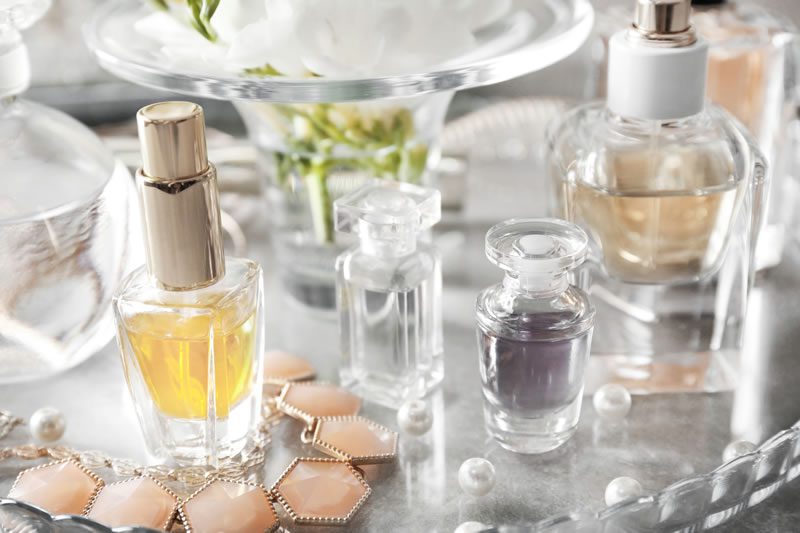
389 292
534 334
190 323
670 193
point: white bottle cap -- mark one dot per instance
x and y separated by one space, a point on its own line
653 83
657 69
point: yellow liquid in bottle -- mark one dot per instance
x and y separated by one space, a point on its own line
174 353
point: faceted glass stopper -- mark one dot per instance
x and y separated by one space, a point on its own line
537 246
356 440
309 401
224 505
387 210
321 491
139 501
65 487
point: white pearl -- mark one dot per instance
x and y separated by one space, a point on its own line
736 449
476 476
471 527
612 402
47 424
415 417
621 489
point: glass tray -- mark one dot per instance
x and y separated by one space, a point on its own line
668 440
536 35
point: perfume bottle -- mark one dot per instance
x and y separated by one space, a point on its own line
66 212
534 333
389 292
752 73
190 325
670 193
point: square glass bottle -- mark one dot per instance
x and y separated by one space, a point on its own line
752 73
190 322
671 195
534 333
389 289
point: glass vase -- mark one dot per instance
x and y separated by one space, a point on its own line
312 154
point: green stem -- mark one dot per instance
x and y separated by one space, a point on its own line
320 203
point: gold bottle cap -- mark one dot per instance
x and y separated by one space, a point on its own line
173 140
179 197
663 16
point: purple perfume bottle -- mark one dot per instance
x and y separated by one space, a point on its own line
534 334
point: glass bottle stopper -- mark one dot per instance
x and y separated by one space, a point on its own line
388 216
539 253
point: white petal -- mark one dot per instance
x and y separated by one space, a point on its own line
233 15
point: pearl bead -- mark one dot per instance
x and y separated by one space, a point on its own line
612 402
47 424
476 476
415 417
471 527
736 449
621 489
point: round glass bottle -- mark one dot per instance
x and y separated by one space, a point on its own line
534 333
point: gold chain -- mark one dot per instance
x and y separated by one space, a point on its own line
252 456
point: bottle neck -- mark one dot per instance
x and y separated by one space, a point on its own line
388 248
536 285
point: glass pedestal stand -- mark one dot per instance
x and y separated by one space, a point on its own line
319 138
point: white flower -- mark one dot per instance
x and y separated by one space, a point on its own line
333 38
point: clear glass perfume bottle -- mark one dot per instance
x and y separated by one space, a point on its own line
389 292
534 334
752 73
190 322
671 194
66 207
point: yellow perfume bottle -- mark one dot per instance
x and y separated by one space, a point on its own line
190 324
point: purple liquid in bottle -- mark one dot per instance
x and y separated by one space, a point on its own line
532 378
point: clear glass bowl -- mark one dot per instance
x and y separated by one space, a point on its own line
534 36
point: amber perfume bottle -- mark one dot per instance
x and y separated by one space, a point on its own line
670 193
190 324
752 66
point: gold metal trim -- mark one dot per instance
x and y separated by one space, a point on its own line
173 514
316 520
98 482
267 496
343 455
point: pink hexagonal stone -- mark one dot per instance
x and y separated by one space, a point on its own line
314 400
283 367
356 439
228 506
58 488
139 501
321 491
